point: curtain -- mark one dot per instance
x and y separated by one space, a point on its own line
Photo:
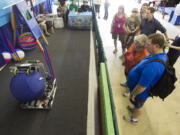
5 34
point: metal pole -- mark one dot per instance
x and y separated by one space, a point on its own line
32 7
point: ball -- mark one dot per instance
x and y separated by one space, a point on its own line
27 41
26 88
7 56
20 55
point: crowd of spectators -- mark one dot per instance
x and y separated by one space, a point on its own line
141 42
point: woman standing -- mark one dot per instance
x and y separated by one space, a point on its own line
117 28
135 53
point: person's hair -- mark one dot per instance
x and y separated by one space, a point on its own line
135 10
145 4
141 39
42 9
121 7
157 38
151 9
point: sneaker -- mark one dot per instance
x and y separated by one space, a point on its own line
130 119
121 57
115 51
126 94
47 34
130 109
123 84
52 30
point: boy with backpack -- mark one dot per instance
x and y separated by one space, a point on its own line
147 77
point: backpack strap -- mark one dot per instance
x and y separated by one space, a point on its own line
157 60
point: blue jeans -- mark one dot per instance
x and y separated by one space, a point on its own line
106 6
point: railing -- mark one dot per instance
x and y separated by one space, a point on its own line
108 110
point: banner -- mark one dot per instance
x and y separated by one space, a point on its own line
5 9
22 12
5 13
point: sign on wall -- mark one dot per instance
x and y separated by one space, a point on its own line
24 13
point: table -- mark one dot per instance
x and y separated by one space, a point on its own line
80 20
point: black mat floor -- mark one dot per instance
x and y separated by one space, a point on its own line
69 51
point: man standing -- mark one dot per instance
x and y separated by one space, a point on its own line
97 4
106 6
174 51
73 7
150 25
145 75
143 11
139 1
85 7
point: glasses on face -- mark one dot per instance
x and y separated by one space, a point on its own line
134 12
144 8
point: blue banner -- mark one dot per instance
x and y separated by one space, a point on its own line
5 3
5 13
5 19
24 13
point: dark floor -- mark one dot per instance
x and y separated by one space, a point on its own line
69 51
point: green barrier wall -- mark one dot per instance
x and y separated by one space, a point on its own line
108 118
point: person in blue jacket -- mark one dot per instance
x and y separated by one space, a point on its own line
144 76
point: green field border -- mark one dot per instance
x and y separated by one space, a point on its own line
106 101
